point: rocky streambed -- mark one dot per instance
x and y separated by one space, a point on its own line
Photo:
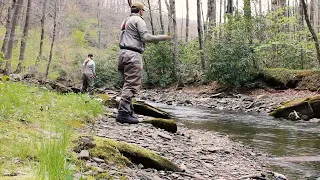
261 101
199 154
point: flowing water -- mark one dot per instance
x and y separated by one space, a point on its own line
294 146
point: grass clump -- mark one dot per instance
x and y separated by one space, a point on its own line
37 129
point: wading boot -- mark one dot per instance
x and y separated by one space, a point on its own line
124 117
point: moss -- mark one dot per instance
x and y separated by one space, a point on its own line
107 100
284 75
143 108
307 105
105 149
289 78
166 124
120 153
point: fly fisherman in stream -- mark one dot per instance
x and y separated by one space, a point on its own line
134 35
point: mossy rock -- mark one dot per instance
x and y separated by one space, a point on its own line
309 106
283 78
123 154
165 124
108 101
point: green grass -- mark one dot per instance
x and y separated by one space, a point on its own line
37 128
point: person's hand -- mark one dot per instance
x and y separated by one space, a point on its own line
166 37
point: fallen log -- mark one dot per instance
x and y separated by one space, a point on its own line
165 124
140 107
123 153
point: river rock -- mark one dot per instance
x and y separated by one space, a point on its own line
310 107
84 154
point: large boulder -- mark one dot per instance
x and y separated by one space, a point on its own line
307 107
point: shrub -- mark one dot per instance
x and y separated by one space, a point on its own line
231 58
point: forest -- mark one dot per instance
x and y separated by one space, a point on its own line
227 41
211 128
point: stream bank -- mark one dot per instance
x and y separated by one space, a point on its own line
201 154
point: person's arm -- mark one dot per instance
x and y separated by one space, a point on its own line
145 36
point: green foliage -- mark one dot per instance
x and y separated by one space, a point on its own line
278 45
158 64
36 127
52 156
107 68
230 57
79 38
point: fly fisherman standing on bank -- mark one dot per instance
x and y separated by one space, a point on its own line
134 35
88 74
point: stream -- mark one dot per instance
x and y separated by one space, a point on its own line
293 147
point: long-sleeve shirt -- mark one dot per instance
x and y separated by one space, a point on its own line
134 34
89 67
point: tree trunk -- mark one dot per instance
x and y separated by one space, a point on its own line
221 11
24 38
187 21
53 38
260 7
161 19
99 24
247 8
230 7
312 7
175 40
44 7
8 54
169 16
211 14
3 7
150 14
314 35
200 34
8 28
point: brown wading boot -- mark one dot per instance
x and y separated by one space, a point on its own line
124 117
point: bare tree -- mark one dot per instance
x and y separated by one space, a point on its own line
43 18
221 12
230 7
169 16
24 37
151 19
187 20
211 14
53 37
161 19
313 33
175 39
8 27
15 18
99 24
200 34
